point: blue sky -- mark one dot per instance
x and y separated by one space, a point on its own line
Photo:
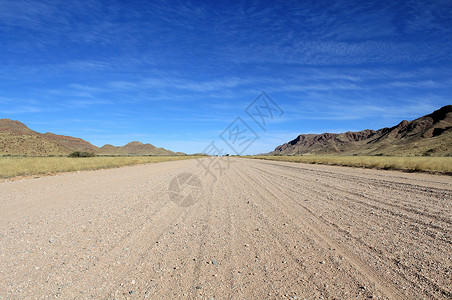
177 73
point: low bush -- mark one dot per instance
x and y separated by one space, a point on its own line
81 154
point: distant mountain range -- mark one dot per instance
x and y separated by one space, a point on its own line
136 148
427 135
18 139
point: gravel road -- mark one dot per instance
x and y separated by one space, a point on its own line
262 230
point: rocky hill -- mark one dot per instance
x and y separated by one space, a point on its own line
427 135
18 139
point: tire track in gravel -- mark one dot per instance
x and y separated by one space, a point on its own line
238 220
419 211
131 245
256 231
171 221
202 242
275 234
441 234
360 175
217 257
380 282
34 192
127 217
322 189
230 232
436 239
420 277
443 187
151 238
95 254
150 241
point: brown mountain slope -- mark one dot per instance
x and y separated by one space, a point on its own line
427 135
18 139
7 125
29 145
71 143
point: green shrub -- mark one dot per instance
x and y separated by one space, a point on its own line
81 154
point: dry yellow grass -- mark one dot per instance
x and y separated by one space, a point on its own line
428 164
26 166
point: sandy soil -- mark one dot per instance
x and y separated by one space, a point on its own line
262 230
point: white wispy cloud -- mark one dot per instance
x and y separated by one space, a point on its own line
85 103
317 87
21 109
417 84
360 111
182 84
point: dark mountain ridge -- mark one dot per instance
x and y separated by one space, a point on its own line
427 135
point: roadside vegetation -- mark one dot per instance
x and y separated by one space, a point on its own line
410 164
26 166
81 154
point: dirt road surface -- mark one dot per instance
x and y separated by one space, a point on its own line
261 230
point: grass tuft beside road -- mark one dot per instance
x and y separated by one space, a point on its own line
26 166
411 164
